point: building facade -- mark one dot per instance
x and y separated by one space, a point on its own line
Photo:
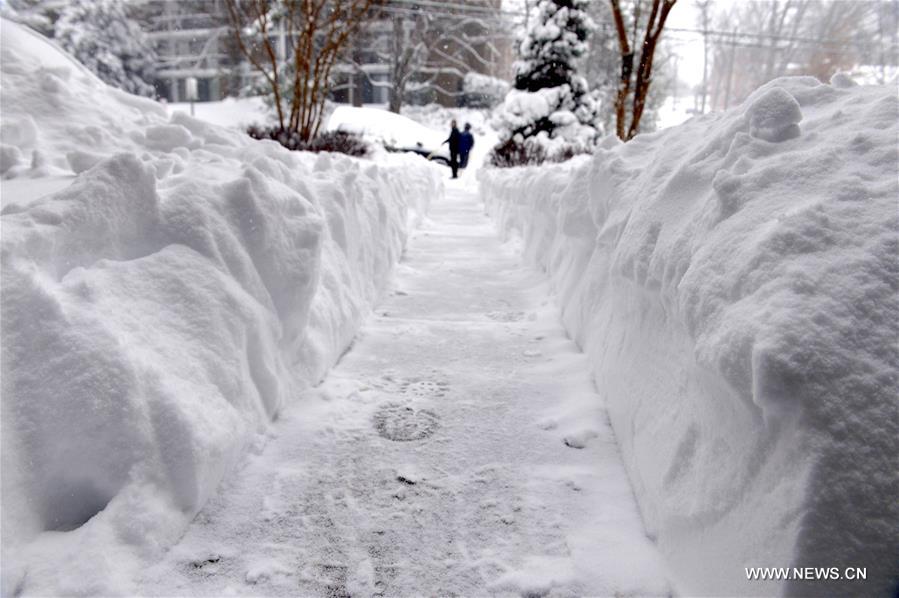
194 39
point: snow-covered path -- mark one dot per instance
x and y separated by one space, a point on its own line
457 449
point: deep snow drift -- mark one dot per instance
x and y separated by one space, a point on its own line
734 282
160 308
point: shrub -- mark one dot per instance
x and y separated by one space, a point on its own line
332 141
513 152
569 151
529 152
340 142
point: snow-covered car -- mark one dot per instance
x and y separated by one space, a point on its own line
395 132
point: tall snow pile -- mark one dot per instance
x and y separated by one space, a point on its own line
161 308
734 282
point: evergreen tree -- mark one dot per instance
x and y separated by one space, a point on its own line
36 14
101 35
555 40
551 105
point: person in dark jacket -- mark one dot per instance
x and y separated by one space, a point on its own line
454 140
466 142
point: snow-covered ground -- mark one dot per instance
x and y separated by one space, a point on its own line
734 283
459 448
169 286
438 118
424 126
231 113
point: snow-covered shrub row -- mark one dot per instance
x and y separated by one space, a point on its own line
734 282
161 308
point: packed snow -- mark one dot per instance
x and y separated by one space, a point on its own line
458 449
165 295
733 281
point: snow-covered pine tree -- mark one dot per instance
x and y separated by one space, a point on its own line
36 14
551 105
101 35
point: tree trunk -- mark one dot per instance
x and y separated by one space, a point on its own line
627 68
655 23
398 87
624 90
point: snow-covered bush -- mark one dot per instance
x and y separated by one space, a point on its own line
511 153
550 104
37 14
733 281
100 34
482 91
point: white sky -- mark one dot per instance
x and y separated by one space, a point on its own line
688 46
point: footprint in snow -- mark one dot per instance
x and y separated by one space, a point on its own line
424 388
506 316
403 423
580 439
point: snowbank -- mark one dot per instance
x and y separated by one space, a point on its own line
231 113
734 282
160 308
385 127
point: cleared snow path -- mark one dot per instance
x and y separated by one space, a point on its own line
457 449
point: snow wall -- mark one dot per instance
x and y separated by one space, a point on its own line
160 308
734 282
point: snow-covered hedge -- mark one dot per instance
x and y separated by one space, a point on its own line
734 282
160 309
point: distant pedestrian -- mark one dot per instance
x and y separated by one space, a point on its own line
454 140
466 142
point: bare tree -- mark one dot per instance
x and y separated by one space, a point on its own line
430 49
409 50
704 15
602 66
311 35
886 53
756 41
634 84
